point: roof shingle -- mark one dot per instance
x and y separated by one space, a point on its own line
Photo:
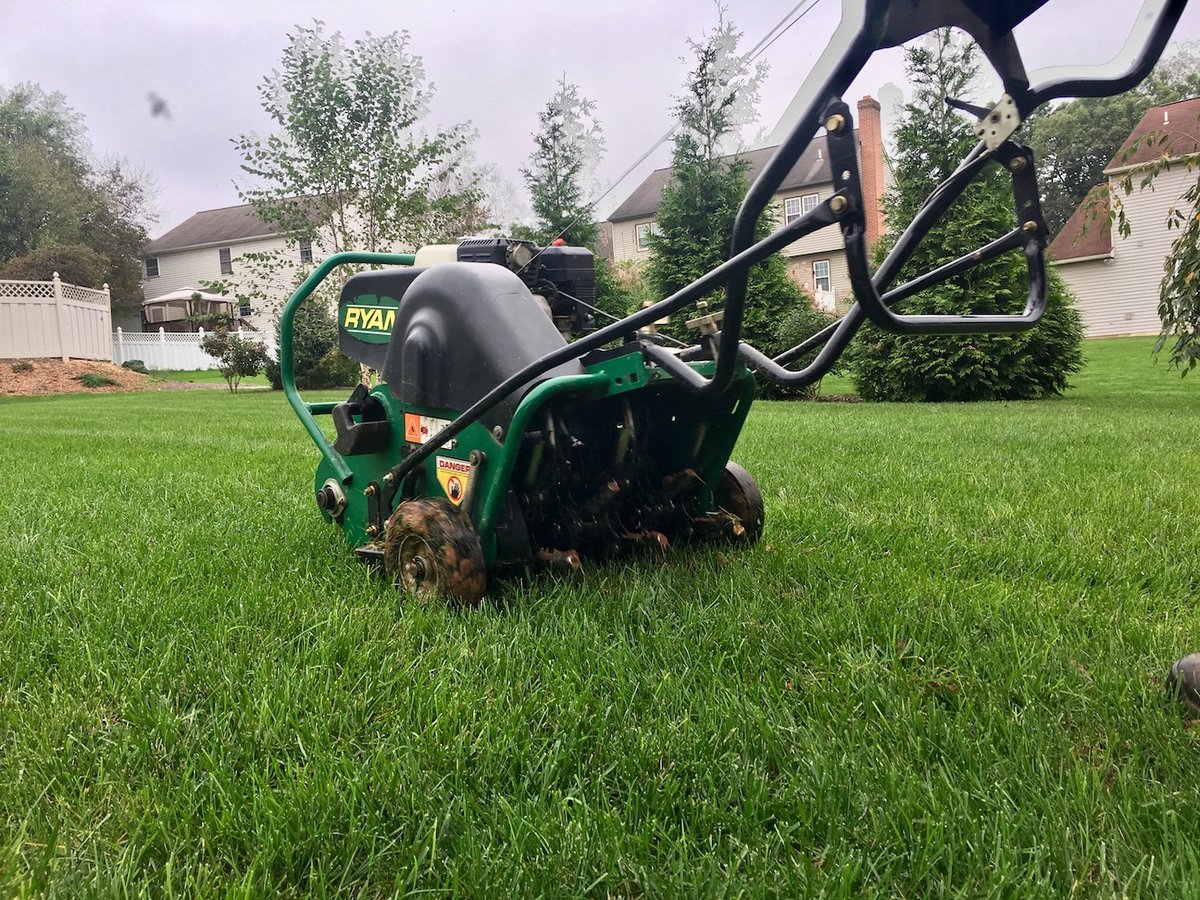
1174 126
812 168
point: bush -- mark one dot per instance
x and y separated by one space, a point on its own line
94 380
22 366
135 365
1022 366
316 361
803 321
74 263
236 357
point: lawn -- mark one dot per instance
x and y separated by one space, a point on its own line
205 376
939 674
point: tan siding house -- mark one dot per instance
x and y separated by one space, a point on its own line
817 262
1115 280
210 246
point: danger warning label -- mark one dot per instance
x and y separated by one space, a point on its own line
453 475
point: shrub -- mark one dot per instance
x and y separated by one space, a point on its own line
236 357
1022 366
94 380
803 321
316 361
135 365
22 366
74 263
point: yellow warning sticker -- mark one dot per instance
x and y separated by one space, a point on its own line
453 475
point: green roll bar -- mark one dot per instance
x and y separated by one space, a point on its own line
307 411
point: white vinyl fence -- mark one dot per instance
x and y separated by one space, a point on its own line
164 350
41 319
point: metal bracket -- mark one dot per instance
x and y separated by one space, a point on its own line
998 125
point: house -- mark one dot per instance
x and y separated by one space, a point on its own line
210 246
817 261
1115 280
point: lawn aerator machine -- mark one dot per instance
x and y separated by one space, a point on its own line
492 442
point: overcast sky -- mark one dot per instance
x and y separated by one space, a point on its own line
492 63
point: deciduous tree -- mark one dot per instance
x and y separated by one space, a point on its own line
351 166
56 193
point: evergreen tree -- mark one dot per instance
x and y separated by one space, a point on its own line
567 148
700 202
931 140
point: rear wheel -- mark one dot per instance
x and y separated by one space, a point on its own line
738 494
431 549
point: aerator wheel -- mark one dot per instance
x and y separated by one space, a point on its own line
738 494
432 550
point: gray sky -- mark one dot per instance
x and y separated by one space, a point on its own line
492 63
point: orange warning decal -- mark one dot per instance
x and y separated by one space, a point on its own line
453 475
412 428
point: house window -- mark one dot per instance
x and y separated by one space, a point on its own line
244 310
306 251
643 234
821 280
226 261
152 267
795 207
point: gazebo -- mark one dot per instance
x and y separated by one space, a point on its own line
189 310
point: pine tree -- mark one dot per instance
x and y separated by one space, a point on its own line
567 148
931 140
700 202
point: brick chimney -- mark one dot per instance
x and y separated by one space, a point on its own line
870 159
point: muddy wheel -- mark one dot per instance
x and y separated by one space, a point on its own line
738 495
431 550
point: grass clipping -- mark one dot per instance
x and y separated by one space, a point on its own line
41 377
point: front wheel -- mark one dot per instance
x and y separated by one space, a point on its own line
431 549
738 495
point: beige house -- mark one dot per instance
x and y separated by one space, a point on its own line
818 261
1115 280
210 245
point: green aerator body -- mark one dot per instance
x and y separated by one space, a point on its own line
600 454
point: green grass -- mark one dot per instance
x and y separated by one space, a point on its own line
939 674
205 376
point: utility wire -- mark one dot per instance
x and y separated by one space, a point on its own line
756 51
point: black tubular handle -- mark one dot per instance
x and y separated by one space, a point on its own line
1030 234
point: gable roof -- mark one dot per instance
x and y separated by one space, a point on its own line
213 226
1174 126
1088 232
811 168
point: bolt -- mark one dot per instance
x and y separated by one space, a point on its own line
498 432
372 531
1017 164
1029 227
835 123
837 204
389 478
476 457
371 490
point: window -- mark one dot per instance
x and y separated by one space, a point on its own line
226 261
795 207
152 267
821 280
306 251
643 234
245 311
